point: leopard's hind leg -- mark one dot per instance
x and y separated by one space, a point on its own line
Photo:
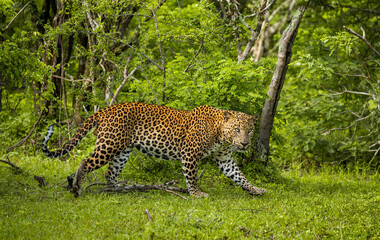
116 166
103 154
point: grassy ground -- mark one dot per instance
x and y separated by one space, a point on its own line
304 206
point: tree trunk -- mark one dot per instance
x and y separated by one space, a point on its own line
270 105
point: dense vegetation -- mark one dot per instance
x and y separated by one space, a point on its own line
64 60
60 61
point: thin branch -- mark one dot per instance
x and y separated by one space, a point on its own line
135 79
352 92
376 143
345 128
59 183
94 24
201 175
12 164
148 215
151 60
362 38
14 18
126 77
373 157
360 75
138 187
155 9
74 80
154 93
254 33
172 192
160 47
361 93
126 44
27 137
277 10
267 7
41 181
195 56
351 75
95 184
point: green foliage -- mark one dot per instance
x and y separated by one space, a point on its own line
216 85
185 56
328 115
19 66
330 106
6 12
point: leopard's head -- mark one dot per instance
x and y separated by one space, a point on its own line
238 129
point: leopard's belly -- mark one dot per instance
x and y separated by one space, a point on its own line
158 151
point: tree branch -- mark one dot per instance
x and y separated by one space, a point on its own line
18 169
352 92
195 56
254 32
148 215
14 18
74 80
93 23
153 11
362 38
154 93
119 188
345 128
126 77
27 137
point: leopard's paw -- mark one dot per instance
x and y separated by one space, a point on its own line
76 191
257 191
199 194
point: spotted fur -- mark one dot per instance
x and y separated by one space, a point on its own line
165 133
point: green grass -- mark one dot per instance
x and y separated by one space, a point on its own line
331 205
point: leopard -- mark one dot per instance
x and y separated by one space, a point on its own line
165 133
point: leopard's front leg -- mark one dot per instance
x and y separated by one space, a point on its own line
190 170
190 157
229 168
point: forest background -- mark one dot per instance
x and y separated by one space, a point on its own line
60 61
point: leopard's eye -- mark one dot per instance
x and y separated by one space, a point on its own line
250 130
237 130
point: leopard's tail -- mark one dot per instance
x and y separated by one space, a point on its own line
72 143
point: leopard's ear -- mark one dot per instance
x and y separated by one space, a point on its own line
227 115
255 117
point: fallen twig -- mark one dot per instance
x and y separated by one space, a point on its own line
172 192
18 169
24 185
59 183
123 187
94 184
41 181
139 187
148 215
